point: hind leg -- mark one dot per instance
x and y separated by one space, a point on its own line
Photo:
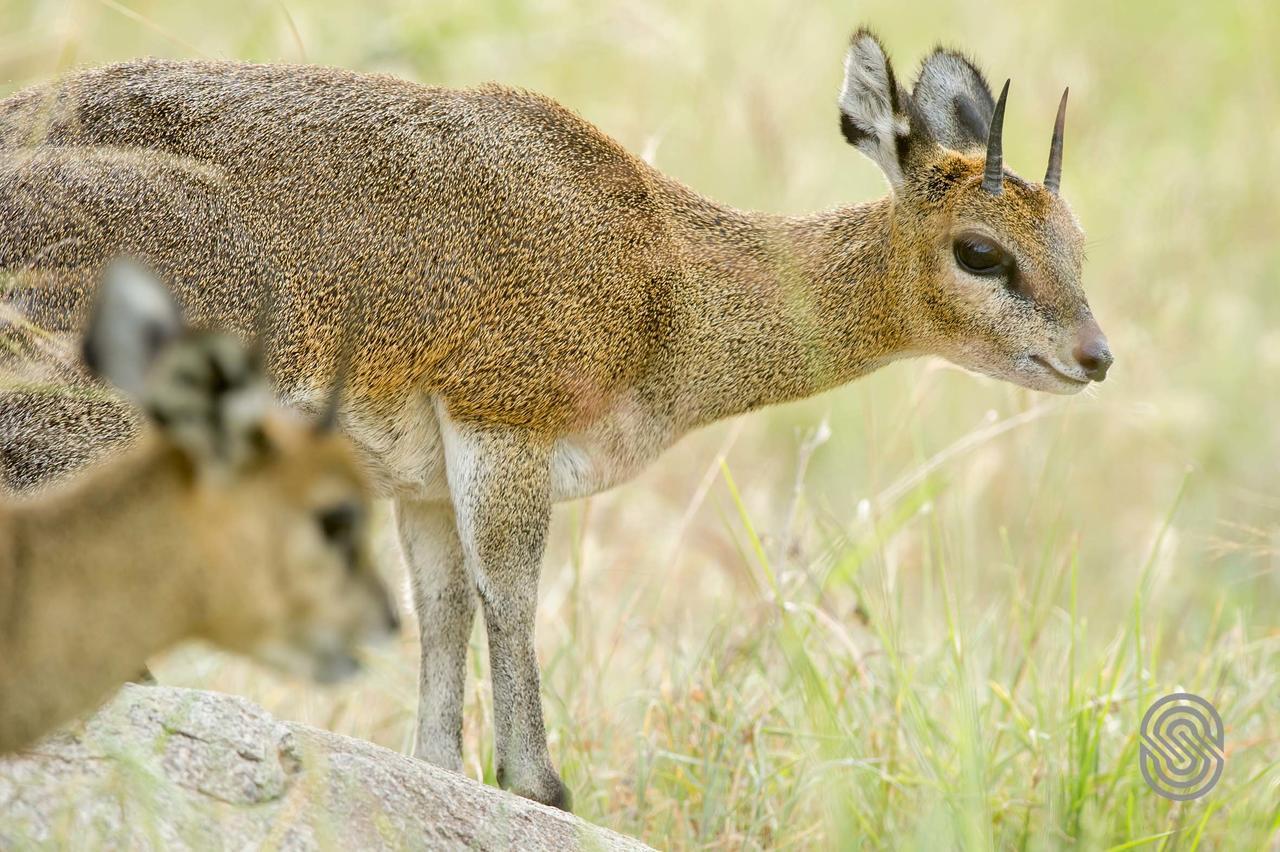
445 598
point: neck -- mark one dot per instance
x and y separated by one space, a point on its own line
773 309
81 616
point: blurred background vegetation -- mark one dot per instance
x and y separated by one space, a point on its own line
928 609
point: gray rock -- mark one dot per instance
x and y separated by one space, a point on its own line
160 768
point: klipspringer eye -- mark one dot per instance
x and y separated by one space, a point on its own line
339 523
980 256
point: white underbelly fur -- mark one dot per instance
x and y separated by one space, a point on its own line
405 454
613 450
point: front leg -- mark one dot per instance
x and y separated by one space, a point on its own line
500 482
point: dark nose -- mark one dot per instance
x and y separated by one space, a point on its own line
1092 352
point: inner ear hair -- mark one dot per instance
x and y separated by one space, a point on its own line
209 397
875 111
952 98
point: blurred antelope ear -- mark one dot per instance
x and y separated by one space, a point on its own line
208 395
874 110
953 100
133 318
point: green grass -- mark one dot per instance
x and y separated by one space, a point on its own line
928 610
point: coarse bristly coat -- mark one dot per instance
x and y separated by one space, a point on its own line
541 312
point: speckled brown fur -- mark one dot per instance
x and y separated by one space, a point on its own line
541 312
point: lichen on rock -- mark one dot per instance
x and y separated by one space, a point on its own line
162 768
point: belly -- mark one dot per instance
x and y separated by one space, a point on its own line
404 454
401 450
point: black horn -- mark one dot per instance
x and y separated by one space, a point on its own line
1053 176
993 176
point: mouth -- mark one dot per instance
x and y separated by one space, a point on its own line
1048 367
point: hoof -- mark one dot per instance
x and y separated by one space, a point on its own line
450 759
561 799
546 788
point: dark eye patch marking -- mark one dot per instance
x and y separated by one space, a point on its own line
340 526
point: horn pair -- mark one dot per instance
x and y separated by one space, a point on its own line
993 174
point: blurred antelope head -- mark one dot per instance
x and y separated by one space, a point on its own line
275 508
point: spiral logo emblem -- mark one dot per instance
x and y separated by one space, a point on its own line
1181 746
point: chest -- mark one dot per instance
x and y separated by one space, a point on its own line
619 443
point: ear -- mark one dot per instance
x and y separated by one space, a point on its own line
208 395
953 100
875 112
133 318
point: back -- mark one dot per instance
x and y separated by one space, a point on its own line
479 232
